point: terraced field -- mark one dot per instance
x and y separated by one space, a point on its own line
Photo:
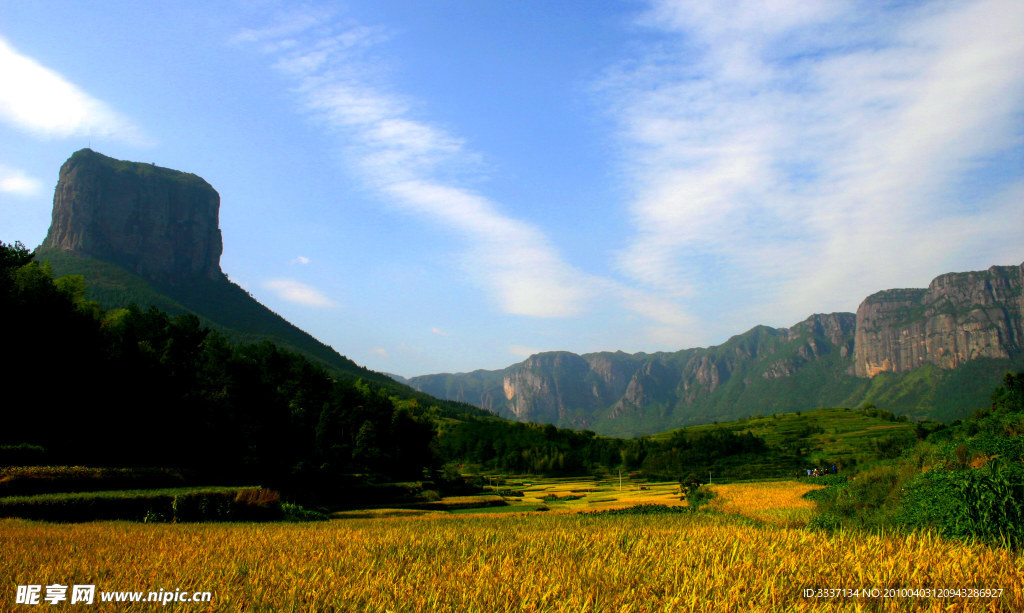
530 495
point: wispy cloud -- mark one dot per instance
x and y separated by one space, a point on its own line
38 100
809 153
300 260
520 351
413 165
16 182
298 292
439 332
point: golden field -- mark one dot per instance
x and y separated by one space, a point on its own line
780 503
536 562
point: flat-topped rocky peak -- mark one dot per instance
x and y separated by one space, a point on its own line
161 224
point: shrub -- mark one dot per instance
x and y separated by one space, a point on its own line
203 506
870 500
825 522
257 504
294 512
699 497
829 480
642 509
986 504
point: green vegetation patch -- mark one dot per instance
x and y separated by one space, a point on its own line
31 480
642 509
161 505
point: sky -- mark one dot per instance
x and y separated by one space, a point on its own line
450 185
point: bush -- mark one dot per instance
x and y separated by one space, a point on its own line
829 480
203 506
699 497
825 522
250 504
256 504
294 512
870 500
985 504
643 509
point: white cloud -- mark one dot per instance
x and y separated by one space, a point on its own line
298 292
415 165
439 332
15 181
522 352
300 260
511 258
798 156
41 101
382 352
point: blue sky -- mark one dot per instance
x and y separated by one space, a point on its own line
445 186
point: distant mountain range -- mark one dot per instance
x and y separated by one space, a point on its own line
929 353
148 235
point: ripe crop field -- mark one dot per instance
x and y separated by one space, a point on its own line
537 562
779 503
557 495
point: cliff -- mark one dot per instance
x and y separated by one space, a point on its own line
942 349
145 235
622 394
958 318
158 223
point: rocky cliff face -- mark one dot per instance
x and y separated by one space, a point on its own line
550 388
603 391
959 317
826 360
158 223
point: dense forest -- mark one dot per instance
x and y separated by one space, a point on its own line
140 388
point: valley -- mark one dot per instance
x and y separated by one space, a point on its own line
198 442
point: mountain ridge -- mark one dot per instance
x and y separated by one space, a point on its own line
143 234
910 353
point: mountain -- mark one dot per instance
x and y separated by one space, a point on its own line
147 235
928 353
158 223
143 234
625 394
958 318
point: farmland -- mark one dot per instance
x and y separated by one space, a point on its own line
526 561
